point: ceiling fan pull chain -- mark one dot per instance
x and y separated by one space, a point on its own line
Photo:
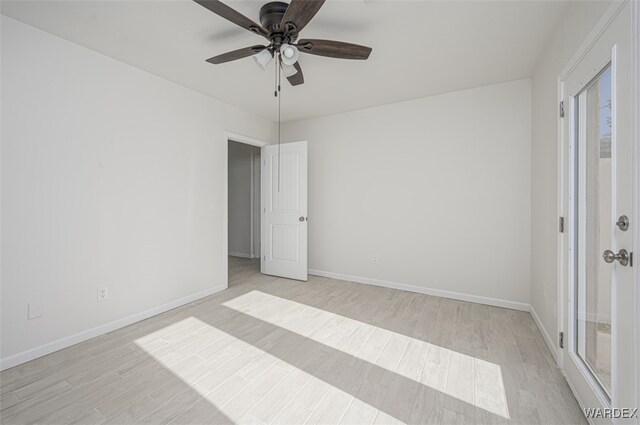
279 73
275 82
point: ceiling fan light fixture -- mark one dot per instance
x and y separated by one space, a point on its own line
289 54
263 58
288 70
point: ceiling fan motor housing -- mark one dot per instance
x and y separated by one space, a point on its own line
271 15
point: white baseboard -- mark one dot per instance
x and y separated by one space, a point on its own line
514 305
65 342
550 341
240 254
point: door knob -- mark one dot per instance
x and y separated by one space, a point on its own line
622 256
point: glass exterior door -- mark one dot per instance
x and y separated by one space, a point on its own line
599 167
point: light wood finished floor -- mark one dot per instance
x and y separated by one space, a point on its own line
271 350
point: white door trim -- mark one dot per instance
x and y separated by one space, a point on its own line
594 35
235 137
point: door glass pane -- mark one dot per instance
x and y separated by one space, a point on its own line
594 227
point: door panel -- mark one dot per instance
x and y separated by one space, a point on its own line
286 196
285 244
284 188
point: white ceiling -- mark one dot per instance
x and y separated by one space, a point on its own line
420 48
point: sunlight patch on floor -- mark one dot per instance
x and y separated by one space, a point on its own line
469 379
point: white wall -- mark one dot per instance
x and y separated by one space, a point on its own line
240 182
571 30
111 176
437 188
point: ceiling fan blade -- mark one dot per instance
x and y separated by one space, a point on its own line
300 12
232 15
334 49
236 54
297 78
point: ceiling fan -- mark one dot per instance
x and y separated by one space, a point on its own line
281 24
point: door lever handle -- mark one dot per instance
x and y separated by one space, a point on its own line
623 257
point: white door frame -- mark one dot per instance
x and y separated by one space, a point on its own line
256 195
565 173
636 202
636 159
234 137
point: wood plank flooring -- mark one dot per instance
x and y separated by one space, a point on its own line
276 351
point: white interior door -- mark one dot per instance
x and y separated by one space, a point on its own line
284 210
598 316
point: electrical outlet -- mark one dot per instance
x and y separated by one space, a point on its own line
103 293
374 259
35 311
